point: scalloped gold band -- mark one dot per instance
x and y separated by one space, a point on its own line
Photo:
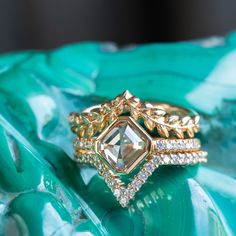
169 121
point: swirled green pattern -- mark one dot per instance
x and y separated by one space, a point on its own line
43 192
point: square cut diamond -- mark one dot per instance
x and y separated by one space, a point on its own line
124 144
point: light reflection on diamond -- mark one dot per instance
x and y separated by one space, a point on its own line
124 144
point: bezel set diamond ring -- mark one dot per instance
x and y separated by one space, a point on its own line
125 134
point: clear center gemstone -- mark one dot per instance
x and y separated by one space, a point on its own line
124 145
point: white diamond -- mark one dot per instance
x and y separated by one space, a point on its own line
123 201
137 184
143 176
100 166
187 159
190 158
79 144
175 145
181 146
174 159
156 160
130 192
117 192
150 167
110 182
106 175
188 145
181 158
160 145
195 155
169 146
166 160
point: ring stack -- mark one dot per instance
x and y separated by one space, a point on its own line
125 134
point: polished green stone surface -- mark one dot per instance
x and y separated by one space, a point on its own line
43 192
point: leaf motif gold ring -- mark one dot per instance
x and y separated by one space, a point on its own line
125 134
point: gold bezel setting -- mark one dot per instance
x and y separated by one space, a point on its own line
139 130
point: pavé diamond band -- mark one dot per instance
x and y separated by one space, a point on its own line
126 134
161 145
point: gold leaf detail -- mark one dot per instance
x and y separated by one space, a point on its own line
149 124
167 123
179 133
163 131
134 114
190 132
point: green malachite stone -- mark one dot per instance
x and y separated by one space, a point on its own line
43 192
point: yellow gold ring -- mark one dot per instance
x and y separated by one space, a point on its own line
126 134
